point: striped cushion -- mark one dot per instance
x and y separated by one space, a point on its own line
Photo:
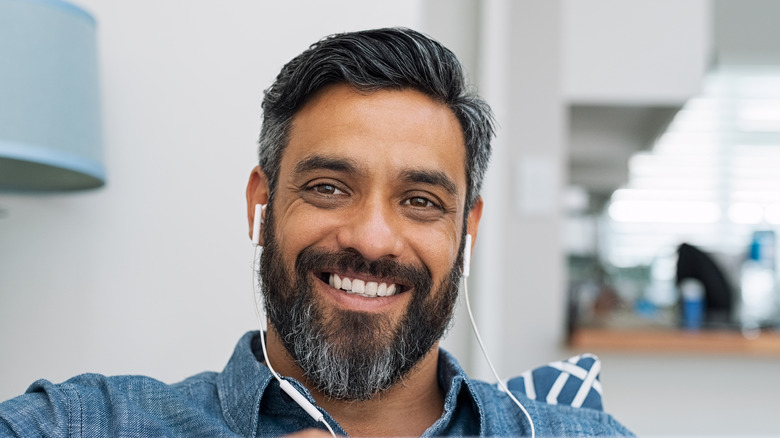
573 382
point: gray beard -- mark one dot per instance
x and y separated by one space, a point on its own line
347 369
353 355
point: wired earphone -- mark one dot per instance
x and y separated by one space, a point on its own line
299 398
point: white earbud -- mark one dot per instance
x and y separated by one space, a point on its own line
258 221
467 256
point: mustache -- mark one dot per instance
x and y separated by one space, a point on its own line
313 259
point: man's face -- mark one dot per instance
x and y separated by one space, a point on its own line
361 262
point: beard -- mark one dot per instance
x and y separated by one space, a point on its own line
350 355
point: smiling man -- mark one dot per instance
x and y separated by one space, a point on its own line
372 154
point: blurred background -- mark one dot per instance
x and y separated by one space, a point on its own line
631 205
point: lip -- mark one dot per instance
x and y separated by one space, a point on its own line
356 302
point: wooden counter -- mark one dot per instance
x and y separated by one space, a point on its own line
765 343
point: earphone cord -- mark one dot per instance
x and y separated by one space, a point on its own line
492 368
282 383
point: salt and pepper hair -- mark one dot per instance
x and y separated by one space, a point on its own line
393 58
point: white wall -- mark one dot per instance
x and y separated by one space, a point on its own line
636 52
521 272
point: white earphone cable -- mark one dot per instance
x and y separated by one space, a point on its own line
499 382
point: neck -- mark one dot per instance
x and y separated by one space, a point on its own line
408 408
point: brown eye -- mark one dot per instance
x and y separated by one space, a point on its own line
420 202
326 189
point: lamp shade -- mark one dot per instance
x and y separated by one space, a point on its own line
50 122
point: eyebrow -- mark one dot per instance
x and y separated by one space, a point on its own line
431 177
320 162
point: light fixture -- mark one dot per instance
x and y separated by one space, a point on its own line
50 121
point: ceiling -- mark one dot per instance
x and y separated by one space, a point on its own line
604 137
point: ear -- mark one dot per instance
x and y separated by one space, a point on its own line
472 224
257 192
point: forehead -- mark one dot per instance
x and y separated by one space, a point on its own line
391 130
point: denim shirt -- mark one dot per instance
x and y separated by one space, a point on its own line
245 400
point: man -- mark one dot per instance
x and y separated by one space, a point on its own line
372 153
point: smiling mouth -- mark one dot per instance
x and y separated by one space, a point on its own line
356 286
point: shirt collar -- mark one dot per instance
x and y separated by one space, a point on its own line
245 380
241 386
462 406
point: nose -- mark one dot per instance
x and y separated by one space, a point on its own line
373 231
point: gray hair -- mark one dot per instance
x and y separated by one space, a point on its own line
393 58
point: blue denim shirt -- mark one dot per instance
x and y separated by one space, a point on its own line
245 400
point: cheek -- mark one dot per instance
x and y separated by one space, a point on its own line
437 250
295 232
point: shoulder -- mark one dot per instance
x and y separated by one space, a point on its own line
140 390
563 398
93 402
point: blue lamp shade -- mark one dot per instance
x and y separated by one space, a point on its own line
50 123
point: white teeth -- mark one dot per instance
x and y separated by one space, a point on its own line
364 288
